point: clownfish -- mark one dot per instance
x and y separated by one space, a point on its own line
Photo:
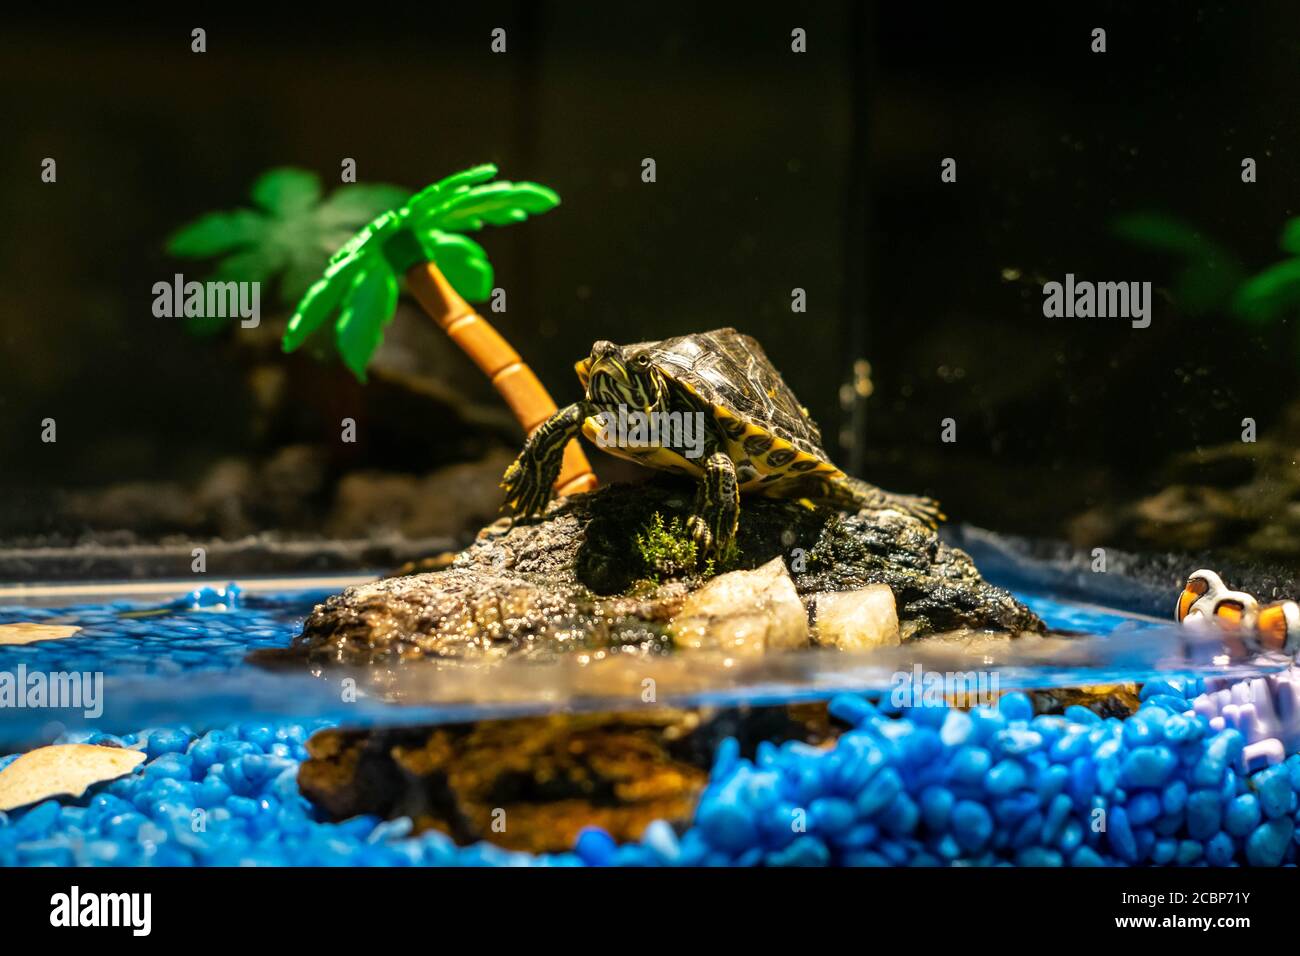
1248 626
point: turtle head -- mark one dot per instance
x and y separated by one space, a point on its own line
627 375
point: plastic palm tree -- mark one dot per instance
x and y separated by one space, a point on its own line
423 241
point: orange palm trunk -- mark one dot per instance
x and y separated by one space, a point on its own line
515 381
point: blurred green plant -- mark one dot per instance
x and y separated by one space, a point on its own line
360 282
288 235
1210 277
1208 273
1276 290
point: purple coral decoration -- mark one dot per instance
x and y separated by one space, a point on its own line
1264 710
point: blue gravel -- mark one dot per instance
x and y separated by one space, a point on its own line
928 787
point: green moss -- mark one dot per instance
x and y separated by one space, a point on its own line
667 552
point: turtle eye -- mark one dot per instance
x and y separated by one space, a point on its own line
641 360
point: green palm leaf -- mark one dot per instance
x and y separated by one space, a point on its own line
1291 236
1269 294
215 233
462 261
252 265
360 253
430 196
1208 273
366 310
357 203
498 205
321 300
1162 232
286 191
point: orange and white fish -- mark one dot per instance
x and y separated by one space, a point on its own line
1248 626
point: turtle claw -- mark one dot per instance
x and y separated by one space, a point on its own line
700 534
923 509
859 495
526 493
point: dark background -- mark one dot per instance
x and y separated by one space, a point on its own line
775 170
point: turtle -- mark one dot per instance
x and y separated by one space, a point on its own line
750 433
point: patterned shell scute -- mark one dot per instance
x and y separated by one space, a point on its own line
731 371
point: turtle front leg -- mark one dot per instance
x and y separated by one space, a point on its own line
712 524
529 479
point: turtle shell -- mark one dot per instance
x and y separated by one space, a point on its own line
769 434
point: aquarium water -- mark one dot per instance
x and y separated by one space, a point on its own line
1205 772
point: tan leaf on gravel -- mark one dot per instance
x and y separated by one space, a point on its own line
62 770
27 632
